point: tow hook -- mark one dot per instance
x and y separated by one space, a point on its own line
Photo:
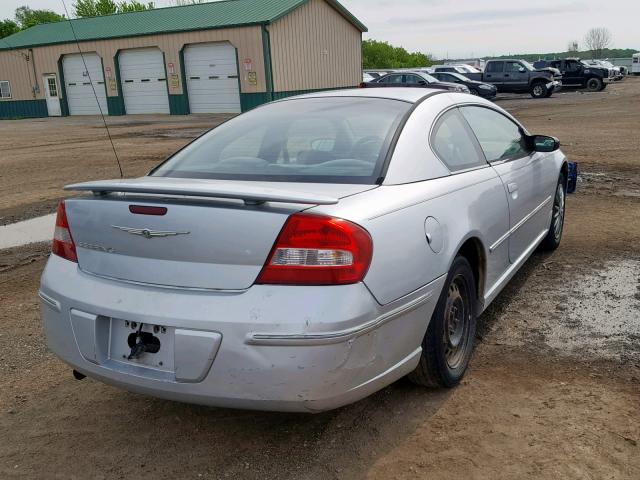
142 342
78 376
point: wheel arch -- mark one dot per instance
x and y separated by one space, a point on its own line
472 248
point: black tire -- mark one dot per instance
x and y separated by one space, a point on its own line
549 93
604 85
539 90
448 344
594 84
554 235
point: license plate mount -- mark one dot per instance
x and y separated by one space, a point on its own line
157 340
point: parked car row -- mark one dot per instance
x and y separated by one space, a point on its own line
541 79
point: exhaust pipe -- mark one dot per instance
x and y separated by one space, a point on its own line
78 376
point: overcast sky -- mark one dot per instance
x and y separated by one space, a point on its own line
470 28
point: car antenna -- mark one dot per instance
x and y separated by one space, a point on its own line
93 88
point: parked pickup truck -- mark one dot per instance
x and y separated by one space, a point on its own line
577 74
413 79
519 76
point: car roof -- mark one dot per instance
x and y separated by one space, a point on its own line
404 94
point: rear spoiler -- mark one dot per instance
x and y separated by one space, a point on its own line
250 194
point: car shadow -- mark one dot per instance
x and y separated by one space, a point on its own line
489 318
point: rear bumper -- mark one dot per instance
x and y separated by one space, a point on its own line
279 348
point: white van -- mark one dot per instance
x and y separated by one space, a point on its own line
635 64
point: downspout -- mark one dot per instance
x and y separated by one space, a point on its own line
268 66
36 87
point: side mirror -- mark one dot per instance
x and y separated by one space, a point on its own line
542 143
422 82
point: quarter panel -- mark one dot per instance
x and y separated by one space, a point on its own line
471 204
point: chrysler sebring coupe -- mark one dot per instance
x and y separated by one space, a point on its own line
304 255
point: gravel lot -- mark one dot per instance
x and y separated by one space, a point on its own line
553 390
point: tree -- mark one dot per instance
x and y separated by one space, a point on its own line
8 27
135 6
26 17
377 54
96 8
182 3
597 40
573 48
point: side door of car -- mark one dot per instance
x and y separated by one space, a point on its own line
516 77
494 73
415 80
528 179
572 74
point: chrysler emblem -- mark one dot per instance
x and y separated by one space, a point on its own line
147 233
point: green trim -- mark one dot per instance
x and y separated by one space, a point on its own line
13 109
268 65
64 105
115 106
179 104
116 103
249 101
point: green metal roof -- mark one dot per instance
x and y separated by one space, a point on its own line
221 14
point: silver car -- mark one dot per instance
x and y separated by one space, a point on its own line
306 254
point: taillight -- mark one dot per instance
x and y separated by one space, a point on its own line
63 244
318 250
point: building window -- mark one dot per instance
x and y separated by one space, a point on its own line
5 89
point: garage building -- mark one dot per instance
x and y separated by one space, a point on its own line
222 57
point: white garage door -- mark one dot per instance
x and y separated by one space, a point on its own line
144 82
212 78
78 81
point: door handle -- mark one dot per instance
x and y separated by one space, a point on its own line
512 187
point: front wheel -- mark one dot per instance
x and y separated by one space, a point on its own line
594 84
554 235
448 344
539 90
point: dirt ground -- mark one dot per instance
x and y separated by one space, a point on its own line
38 157
553 391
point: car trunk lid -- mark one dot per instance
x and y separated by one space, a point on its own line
202 234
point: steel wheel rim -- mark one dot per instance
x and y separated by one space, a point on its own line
558 213
537 90
457 322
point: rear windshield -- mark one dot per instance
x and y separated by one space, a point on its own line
315 140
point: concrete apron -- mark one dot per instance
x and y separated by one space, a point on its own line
30 231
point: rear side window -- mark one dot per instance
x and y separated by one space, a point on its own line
314 140
495 67
499 137
454 143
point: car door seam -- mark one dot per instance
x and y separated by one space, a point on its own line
519 225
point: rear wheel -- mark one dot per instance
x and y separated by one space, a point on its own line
594 84
448 344
539 90
554 235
